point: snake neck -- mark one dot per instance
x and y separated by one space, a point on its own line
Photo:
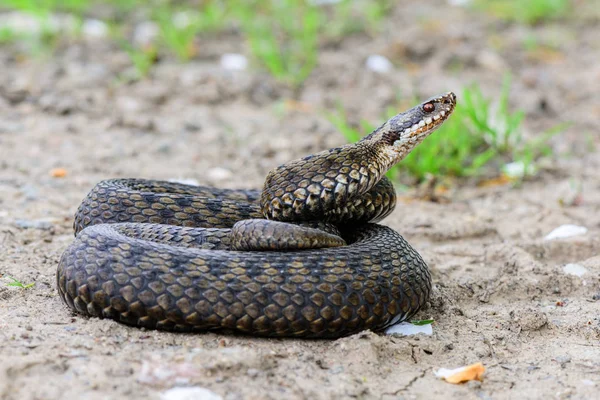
329 182
313 186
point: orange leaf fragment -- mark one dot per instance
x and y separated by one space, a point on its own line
58 172
498 181
462 374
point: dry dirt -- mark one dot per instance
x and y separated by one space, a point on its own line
501 295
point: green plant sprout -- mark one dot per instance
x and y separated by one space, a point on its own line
283 36
142 58
19 284
177 31
421 322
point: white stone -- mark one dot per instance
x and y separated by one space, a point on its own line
185 181
94 28
189 393
379 64
518 169
565 231
408 329
234 62
575 269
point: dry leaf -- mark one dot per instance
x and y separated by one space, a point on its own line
462 374
58 173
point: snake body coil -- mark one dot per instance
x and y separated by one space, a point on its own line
302 258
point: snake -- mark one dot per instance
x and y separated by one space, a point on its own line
304 257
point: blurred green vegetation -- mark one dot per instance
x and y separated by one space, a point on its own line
480 139
284 38
283 35
528 12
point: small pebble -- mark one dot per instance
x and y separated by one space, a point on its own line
379 64
518 169
185 181
234 62
336 370
575 269
408 329
189 393
94 28
565 231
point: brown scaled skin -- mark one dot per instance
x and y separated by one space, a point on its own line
310 187
161 255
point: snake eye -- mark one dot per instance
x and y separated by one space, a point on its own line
428 107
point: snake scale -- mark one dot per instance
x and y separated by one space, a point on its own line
301 258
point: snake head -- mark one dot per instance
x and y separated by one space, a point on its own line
405 131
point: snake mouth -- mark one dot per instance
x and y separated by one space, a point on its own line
429 123
429 116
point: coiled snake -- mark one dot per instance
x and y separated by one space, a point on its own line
302 258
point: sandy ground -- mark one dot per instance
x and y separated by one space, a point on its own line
501 294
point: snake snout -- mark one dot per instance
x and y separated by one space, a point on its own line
452 97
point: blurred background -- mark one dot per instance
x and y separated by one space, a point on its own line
502 202
280 79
